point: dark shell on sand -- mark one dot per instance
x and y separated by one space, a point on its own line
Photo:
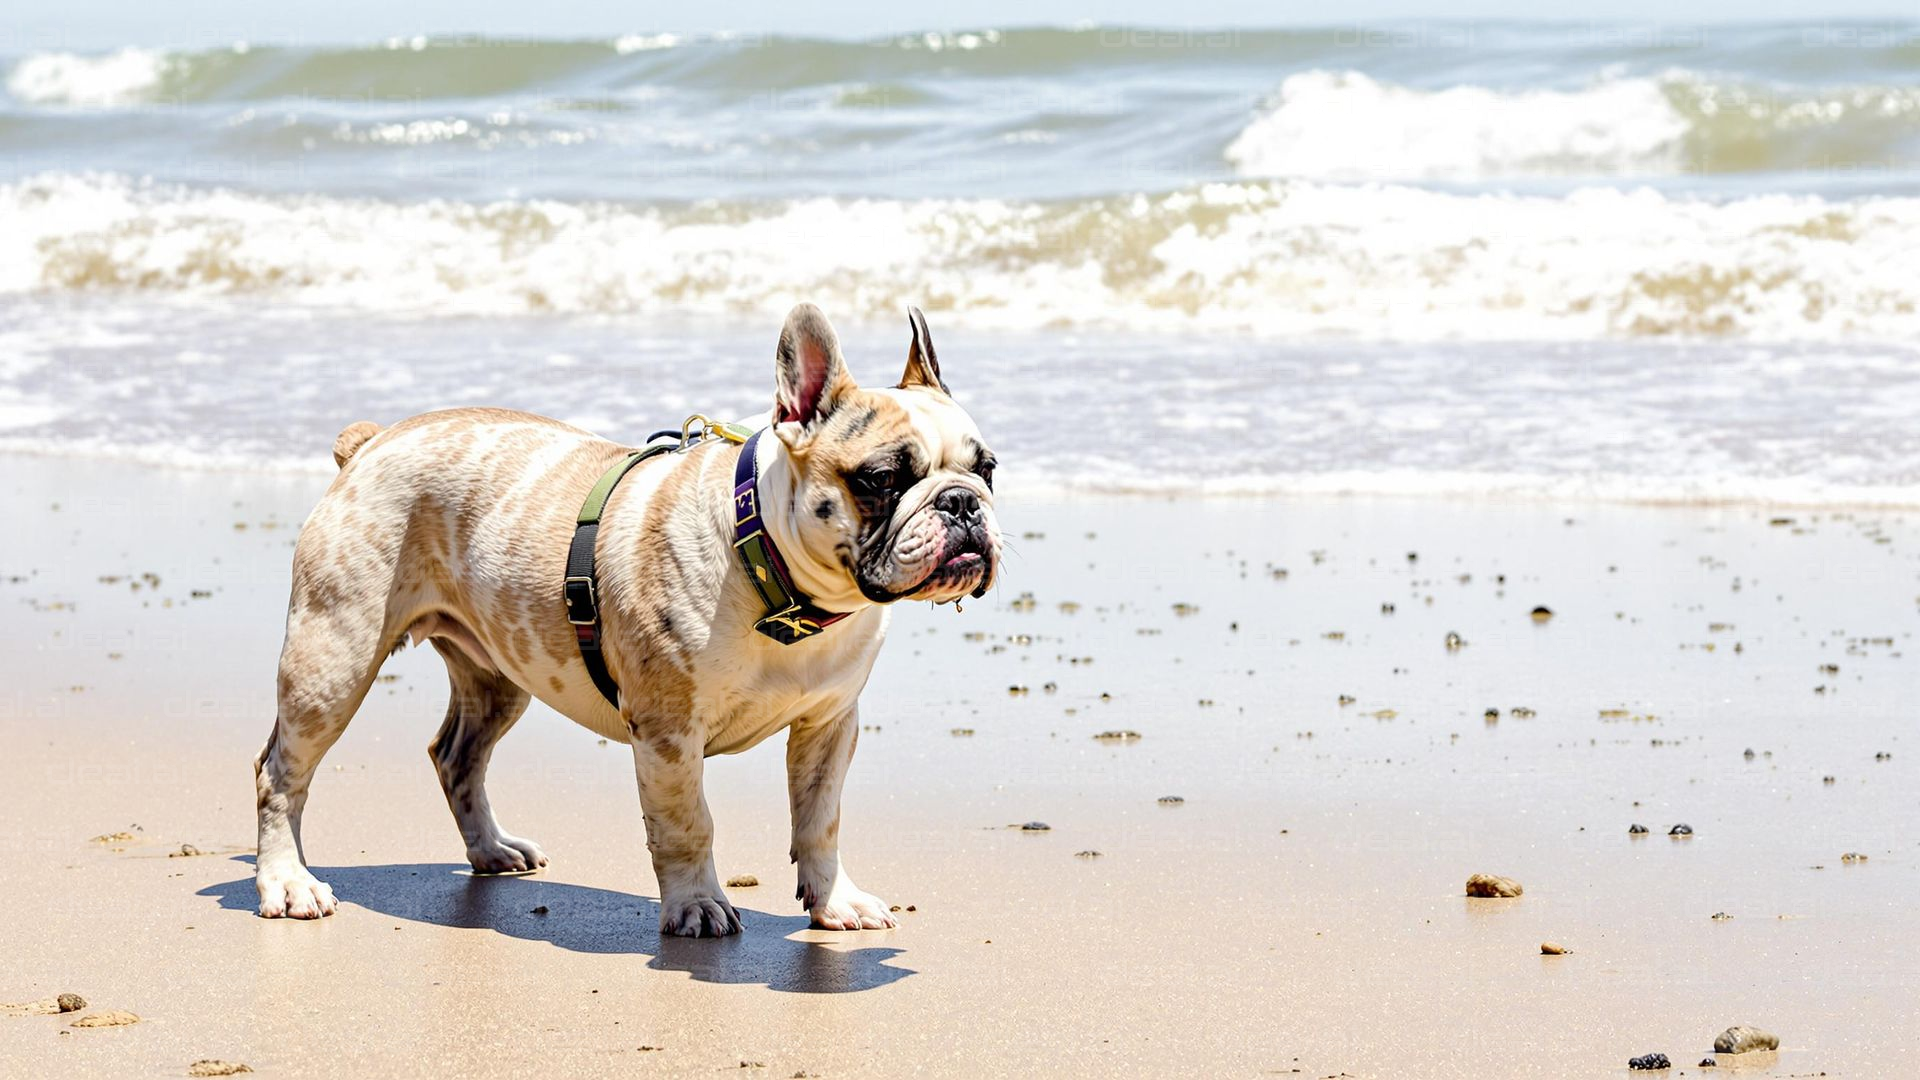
1649 1061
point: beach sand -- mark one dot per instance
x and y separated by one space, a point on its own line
1301 912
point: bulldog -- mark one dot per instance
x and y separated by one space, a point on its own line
456 528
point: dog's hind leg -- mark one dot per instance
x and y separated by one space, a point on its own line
332 652
483 706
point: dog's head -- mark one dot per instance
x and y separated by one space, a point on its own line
892 488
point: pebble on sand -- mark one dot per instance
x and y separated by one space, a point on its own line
742 881
1454 640
114 1018
1682 829
1741 1038
1036 826
1649 1061
1636 830
1171 800
1490 885
1118 736
215 1067
70 1003
1853 857
1542 613
1087 854
1553 948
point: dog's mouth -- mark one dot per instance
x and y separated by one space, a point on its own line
964 567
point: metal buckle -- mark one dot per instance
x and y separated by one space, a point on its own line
791 627
583 600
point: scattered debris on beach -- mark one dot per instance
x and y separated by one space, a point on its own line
1742 1038
1649 1061
1492 885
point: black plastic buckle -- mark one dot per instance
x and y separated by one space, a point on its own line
583 605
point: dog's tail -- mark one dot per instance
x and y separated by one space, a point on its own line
351 439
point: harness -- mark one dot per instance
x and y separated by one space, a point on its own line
790 615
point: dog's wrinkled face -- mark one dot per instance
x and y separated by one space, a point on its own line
893 487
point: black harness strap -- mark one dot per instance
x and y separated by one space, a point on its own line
582 586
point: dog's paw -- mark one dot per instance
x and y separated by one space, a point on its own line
295 894
506 855
847 908
699 916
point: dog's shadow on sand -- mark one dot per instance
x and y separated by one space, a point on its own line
588 920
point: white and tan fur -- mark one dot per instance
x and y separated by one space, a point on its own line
453 527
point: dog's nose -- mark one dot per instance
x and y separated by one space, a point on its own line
958 502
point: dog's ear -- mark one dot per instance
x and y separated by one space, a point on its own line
810 375
923 367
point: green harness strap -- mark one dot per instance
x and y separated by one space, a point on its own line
582 586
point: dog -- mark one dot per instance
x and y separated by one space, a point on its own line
453 528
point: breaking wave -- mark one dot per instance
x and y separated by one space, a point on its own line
1276 258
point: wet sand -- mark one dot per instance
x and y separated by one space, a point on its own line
1300 912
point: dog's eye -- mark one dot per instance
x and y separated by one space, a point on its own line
984 471
875 481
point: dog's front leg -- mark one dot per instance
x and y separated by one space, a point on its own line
680 832
818 753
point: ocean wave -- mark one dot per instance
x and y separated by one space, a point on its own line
128 76
1274 258
1344 125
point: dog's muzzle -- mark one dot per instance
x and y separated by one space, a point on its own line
968 548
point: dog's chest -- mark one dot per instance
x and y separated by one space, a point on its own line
743 698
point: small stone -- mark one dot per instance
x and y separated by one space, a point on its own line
1455 641
114 1018
1552 948
1542 613
1031 826
70 1002
961 732
1636 830
1171 800
1749 755
1708 1063
1826 779
186 851
1853 857
1721 916
1489 885
1681 830
1087 854
1118 736
1741 1038
1649 1061
1521 712
214 1067
1492 715
742 881
541 910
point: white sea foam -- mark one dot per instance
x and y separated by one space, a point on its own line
126 77
1343 125
1293 259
